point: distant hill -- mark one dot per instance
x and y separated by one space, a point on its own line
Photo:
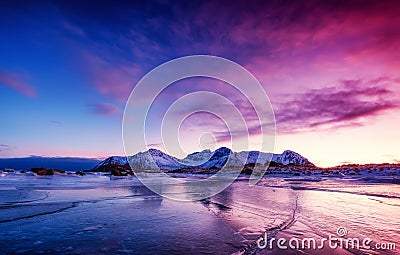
62 163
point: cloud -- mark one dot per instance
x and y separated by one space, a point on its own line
276 40
17 82
271 30
73 29
221 121
346 104
154 145
345 162
56 122
105 109
5 147
111 78
350 103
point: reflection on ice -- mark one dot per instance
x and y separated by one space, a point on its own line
103 215
97 214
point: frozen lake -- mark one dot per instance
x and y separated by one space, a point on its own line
97 214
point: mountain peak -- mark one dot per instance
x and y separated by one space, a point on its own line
197 158
290 152
206 151
155 152
223 151
291 157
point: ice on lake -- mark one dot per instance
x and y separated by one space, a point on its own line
98 214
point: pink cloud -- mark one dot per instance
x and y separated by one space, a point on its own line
73 29
113 80
17 82
6 147
348 103
105 109
285 41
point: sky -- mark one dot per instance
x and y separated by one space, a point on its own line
330 69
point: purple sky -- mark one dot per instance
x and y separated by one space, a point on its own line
330 68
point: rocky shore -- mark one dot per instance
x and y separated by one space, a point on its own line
116 169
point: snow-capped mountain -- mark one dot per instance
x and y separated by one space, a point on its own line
154 159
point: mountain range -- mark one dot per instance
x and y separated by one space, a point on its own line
206 159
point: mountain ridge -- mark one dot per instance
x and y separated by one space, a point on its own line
206 159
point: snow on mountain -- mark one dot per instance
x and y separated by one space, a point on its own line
252 157
286 158
218 158
154 159
197 158
235 160
151 159
291 157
